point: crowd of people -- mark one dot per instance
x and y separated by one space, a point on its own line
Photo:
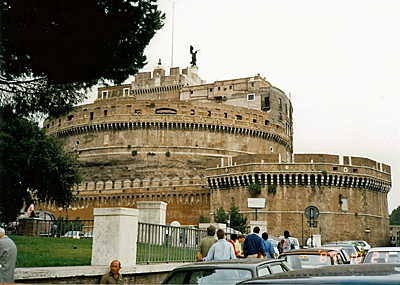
240 246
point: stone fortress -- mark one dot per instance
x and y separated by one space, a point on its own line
194 145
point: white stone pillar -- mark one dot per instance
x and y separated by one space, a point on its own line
261 224
115 236
152 212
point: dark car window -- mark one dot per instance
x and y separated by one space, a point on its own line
177 278
219 276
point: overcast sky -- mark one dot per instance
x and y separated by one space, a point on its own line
338 60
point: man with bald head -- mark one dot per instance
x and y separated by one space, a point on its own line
112 277
8 258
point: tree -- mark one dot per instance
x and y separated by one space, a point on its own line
394 217
238 222
32 164
51 52
220 216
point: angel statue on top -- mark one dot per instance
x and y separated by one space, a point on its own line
193 53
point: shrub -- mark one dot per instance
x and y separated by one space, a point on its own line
151 154
272 189
134 152
129 146
167 154
254 189
203 219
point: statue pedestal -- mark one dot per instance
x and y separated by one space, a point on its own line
28 227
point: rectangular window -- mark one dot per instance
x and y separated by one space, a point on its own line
280 103
280 116
254 121
251 97
138 111
210 89
252 84
219 88
266 122
192 112
126 92
238 117
104 94
266 104
91 116
225 115
209 113
230 87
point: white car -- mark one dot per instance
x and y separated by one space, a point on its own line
74 234
364 244
383 255
89 234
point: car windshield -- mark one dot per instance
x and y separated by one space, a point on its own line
211 276
382 257
301 261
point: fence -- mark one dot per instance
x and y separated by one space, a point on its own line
73 229
161 243
155 243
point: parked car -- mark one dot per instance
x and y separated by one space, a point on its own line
343 251
46 223
364 244
225 271
74 234
383 255
349 274
313 257
355 253
89 234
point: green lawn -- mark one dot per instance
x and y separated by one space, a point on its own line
43 252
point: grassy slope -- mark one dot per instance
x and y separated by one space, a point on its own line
42 252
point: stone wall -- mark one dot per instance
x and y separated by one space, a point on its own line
139 274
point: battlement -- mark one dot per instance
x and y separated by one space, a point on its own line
306 170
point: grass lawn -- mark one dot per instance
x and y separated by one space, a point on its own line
43 252
46 251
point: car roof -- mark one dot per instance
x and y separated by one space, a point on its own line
385 248
229 263
320 275
313 250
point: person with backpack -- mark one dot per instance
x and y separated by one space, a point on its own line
285 244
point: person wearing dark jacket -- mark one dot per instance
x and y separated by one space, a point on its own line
253 244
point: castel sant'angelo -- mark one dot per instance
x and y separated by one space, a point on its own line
195 145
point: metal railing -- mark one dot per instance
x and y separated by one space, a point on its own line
163 243
72 229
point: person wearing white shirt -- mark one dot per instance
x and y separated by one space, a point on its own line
311 242
220 250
